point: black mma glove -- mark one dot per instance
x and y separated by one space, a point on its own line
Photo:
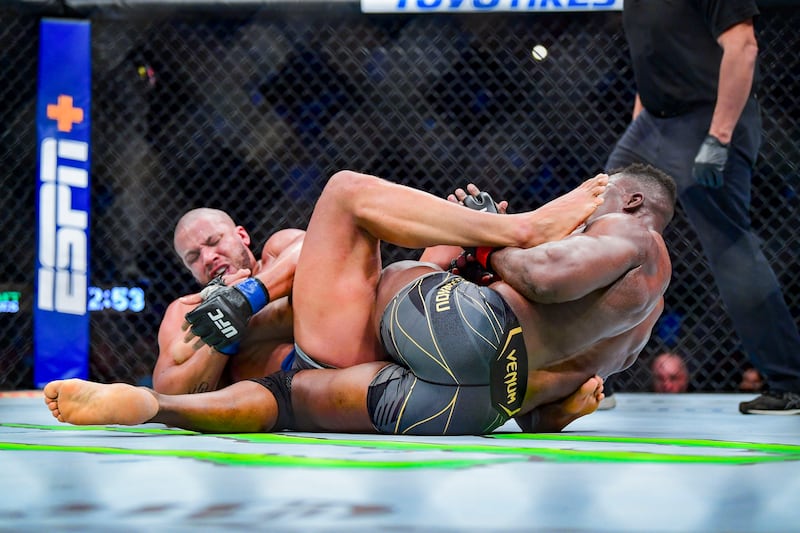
211 287
473 264
222 318
710 162
482 202
466 266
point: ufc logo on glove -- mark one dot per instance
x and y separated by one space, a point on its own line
225 327
222 318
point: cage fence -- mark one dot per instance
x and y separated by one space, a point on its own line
251 109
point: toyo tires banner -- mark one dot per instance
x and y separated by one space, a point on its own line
486 6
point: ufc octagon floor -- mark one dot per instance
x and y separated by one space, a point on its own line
655 463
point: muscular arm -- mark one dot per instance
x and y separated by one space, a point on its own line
566 270
735 78
181 368
186 367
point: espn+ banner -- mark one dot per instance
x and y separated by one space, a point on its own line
61 320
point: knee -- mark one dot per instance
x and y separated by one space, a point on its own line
351 183
348 188
345 183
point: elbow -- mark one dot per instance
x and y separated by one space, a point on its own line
530 276
745 48
542 291
750 51
161 385
545 295
542 286
165 383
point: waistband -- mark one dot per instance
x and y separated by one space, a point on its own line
297 359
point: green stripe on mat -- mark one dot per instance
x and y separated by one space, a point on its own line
491 452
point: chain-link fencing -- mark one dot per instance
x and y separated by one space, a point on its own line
251 109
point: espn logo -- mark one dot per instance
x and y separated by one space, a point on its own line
224 326
63 227
63 202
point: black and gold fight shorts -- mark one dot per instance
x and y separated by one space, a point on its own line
461 363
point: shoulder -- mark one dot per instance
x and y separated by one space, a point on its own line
287 234
628 231
280 240
174 315
619 224
725 14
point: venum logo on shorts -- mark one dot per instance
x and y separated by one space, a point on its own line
224 326
443 295
509 374
63 225
511 378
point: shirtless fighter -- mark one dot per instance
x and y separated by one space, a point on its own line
211 244
531 346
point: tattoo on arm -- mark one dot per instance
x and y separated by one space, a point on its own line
200 387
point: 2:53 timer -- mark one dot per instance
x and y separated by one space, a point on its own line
116 298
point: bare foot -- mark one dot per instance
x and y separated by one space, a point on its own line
554 417
83 403
584 400
558 218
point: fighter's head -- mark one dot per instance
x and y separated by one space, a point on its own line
209 243
642 191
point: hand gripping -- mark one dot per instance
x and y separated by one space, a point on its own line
482 202
481 272
222 318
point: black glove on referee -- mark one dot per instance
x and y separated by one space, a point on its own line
710 162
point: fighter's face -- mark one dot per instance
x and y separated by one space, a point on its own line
211 247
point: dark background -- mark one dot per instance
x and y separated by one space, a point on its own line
251 108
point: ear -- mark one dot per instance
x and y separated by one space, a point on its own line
634 201
243 235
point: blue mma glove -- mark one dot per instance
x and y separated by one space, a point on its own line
710 162
222 318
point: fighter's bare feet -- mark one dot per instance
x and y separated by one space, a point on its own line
82 402
555 416
584 400
558 218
